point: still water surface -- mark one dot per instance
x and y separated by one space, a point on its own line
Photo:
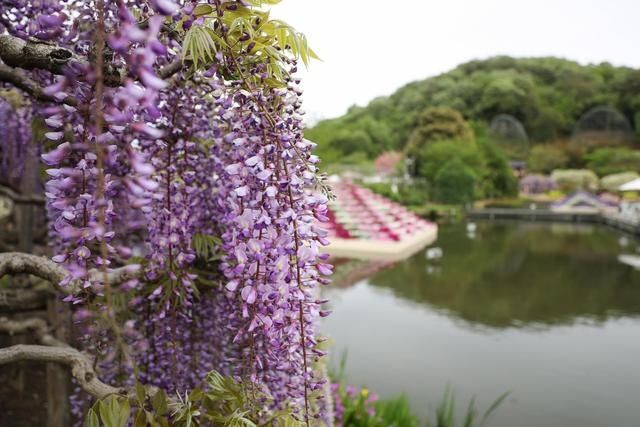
544 311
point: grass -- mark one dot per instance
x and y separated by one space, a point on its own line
445 412
397 412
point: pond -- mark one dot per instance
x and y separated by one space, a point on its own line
545 311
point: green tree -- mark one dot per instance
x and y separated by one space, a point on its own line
351 142
438 124
548 95
430 158
498 179
454 183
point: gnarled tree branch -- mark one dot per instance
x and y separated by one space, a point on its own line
35 54
171 68
56 351
21 263
22 82
80 364
53 350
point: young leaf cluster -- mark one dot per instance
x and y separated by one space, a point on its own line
112 411
246 34
227 402
207 247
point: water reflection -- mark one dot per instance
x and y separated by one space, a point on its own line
544 311
529 274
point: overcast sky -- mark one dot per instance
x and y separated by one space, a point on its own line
372 47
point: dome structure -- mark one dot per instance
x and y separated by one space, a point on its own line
509 133
603 126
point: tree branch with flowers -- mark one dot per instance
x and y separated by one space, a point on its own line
183 208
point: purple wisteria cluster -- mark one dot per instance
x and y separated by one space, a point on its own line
43 19
272 262
152 153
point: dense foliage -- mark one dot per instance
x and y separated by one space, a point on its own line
545 158
548 95
607 161
174 149
483 159
454 183
438 124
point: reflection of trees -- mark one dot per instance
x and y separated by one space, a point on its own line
516 274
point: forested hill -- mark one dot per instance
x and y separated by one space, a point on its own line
548 95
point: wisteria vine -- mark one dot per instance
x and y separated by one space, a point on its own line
175 147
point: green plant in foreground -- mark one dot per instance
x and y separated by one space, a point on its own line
396 412
358 407
222 401
445 412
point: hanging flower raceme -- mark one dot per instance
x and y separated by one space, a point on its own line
271 240
125 176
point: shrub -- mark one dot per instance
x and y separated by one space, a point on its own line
614 181
546 158
382 188
508 203
454 183
498 180
607 161
414 194
484 159
575 179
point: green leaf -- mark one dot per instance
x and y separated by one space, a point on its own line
140 393
196 395
206 246
493 407
203 9
201 44
114 412
159 402
140 419
124 413
92 419
314 55
105 413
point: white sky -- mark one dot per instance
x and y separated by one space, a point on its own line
372 47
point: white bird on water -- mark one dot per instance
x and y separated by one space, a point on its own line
433 253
